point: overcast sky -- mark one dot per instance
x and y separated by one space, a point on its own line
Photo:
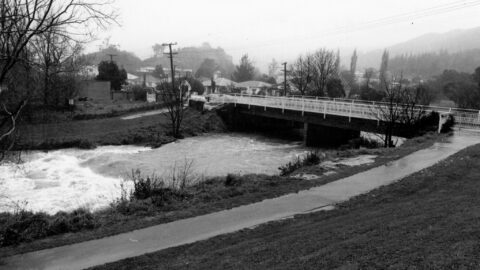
282 29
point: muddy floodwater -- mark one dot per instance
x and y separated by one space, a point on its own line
63 180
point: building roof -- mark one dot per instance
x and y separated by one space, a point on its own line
148 79
219 82
131 77
253 84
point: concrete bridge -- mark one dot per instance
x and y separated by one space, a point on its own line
335 120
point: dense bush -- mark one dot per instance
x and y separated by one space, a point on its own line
25 226
448 125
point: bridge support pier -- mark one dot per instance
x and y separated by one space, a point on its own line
317 135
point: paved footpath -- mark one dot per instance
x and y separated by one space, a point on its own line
114 248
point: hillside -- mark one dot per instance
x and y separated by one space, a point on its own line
192 58
126 59
187 57
460 43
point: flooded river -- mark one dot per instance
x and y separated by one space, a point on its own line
70 178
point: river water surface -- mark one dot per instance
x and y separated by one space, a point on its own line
64 180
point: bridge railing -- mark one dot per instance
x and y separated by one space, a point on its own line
464 118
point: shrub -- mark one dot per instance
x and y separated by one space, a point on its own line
139 93
81 219
23 226
311 158
363 142
144 188
448 125
232 180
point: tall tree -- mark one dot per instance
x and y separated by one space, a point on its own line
302 72
245 71
353 63
324 68
337 63
56 57
383 70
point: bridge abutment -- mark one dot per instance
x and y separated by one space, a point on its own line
317 135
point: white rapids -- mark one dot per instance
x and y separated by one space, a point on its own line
63 180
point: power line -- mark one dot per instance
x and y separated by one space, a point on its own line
428 12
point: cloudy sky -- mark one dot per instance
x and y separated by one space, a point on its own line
282 29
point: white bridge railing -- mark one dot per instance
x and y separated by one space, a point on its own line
464 118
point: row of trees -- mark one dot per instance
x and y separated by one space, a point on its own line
38 52
244 71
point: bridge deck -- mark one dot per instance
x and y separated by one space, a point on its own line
464 118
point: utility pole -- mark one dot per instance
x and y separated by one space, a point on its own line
285 78
111 56
172 69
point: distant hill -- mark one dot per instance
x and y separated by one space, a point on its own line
192 58
123 58
461 43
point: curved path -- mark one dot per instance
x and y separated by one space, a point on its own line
114 248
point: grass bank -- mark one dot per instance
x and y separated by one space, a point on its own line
429 220
168 204
148 130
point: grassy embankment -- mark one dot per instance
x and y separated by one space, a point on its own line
167 204
429 220
153 130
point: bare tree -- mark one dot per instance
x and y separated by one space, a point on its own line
400 108
174 99
23 21
56 55
324 68
302 72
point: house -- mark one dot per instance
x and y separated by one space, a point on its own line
131 79
144 79
254 87
221 85
88 72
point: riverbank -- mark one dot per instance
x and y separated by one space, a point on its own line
150 130
209 196
428 220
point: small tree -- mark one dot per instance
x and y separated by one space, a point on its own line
324 62
245 71
174 99
158 72
335 88
109 71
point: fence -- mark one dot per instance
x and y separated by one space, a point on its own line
464 118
